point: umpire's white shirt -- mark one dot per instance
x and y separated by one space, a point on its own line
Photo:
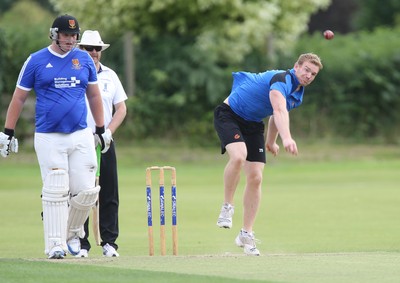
112 92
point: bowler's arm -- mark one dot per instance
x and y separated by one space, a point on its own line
272 135
281 119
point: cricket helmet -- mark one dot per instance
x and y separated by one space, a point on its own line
65 24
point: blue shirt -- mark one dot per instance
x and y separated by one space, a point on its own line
60 83
249 97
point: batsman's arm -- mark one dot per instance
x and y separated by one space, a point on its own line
8 143
15 108
102 136
281 119
96 104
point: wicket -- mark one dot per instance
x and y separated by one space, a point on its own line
161 170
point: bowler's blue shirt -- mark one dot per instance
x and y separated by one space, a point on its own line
249 97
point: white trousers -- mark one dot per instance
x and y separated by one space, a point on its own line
75 153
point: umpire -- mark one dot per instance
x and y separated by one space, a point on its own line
114 96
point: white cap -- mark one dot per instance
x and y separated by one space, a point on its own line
93 38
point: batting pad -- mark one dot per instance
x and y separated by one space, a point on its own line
80 206
55 209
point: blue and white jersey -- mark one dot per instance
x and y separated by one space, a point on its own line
249 97
60 83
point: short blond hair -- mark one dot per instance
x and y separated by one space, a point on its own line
310 57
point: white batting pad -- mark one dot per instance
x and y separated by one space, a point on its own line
79 210
55 209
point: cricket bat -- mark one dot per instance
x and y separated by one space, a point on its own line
95 215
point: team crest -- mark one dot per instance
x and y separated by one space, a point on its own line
72 24
75 64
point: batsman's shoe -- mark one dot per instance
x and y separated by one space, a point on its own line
109 251
74 245
247 241
225 217
56 253
83 253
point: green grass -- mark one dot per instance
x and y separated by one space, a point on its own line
329 215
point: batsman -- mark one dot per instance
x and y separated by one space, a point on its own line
61 75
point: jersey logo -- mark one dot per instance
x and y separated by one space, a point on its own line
236 137
66 83
49 65
75 64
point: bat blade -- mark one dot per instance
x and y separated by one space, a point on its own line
95 223
95 213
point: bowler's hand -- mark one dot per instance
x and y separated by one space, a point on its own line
274 148
290 146
103 138
8 143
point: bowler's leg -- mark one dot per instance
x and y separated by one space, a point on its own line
237 157
251 203
252 193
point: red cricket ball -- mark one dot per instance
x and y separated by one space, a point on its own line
328 34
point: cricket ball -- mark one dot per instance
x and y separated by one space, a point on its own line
328 34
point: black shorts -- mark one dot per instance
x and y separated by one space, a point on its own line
232 128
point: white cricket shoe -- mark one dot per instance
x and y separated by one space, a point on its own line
82 253
56 253
247 241
225 217
109 251
74 245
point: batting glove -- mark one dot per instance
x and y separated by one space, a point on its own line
103 138
7 142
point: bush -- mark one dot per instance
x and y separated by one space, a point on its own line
354 97
356 94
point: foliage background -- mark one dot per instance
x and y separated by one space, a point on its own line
184 53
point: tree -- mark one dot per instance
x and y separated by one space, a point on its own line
375 13
228 29
339 17
185 51
23 29
5 5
